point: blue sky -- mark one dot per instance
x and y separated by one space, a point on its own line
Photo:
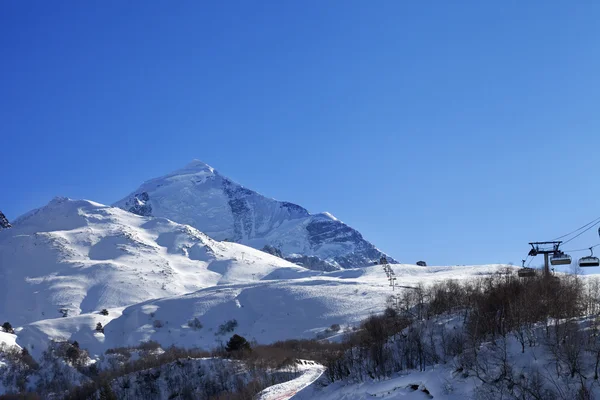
453 132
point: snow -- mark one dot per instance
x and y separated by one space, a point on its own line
310 372
439 382
443 381
77 256
8 339
81 328
63 263
269 310
199 196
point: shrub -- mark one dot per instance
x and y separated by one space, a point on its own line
73 353
157 323
195 324
227 327
237 343
99 327
104 311
7 327
149 345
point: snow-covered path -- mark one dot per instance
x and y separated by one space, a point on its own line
311 371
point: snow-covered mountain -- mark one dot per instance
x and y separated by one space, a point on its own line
77 256
199 196
4 221
287 303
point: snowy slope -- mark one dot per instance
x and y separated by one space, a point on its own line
77 256
199 196
309 370
8 338
268 311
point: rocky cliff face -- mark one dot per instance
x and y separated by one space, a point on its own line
4 224
198 195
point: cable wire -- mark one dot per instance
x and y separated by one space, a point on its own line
530 261
581 233
578 229
586 249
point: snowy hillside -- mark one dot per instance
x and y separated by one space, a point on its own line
268 311
77 256
285 303
199 196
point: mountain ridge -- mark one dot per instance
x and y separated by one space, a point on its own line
198 195
77 256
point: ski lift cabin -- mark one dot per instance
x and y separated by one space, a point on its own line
560 258
589 261
526 272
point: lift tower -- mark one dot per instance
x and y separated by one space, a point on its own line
546 248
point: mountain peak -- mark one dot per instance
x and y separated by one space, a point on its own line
197 195
197 166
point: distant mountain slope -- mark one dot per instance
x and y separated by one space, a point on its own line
268 311
199 196
284 304
77 256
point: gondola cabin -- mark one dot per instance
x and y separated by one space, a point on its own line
526 272
589 261
560 258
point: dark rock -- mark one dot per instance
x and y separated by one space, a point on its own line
312 262
140 204
272 250
4 224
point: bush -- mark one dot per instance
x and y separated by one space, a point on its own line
195 324
157 323
149 345
104 311
237 343
99 327
227 327
73 353
7 327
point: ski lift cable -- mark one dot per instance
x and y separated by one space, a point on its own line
581 233
530 261
578 229
586 249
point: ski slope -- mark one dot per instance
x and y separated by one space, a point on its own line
75 257
310 372
282 305
65 262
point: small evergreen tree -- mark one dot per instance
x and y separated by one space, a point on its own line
99 327
8 327
237 343
106 393
104 311
73 352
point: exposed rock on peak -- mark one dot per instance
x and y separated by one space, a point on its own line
200 196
